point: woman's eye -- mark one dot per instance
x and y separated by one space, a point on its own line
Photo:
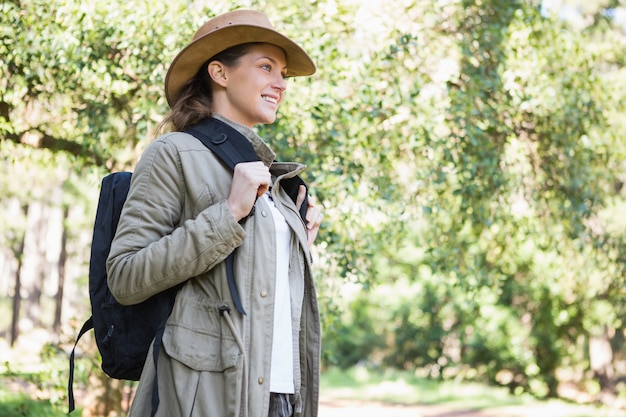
266 67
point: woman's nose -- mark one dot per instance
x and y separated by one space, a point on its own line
280 82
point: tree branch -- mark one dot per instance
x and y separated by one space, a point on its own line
35 138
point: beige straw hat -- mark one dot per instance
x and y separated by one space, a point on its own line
227 30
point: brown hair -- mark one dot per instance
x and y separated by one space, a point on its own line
195 101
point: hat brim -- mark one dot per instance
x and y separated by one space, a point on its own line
188 61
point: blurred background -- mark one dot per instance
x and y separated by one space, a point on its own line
470 156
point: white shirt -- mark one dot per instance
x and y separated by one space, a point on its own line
281 372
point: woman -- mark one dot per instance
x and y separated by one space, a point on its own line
186 212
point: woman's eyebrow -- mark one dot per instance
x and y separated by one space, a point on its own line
272 60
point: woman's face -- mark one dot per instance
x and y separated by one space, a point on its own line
253 88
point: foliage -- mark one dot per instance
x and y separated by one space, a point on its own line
351 339
17 405
511 182
510 231
42 386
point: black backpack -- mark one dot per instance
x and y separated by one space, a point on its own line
124 333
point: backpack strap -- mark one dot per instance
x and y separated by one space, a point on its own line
88 325
231 146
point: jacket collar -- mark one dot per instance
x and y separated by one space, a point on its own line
263 151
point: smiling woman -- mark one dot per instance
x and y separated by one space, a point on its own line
186 212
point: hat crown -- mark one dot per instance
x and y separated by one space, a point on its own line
234 18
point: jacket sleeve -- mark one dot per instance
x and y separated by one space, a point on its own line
151 250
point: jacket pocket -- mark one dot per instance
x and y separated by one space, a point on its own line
196 336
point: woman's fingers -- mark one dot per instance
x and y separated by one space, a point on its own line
250 180
314 219
301 196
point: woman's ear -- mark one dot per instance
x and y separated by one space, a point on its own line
217 72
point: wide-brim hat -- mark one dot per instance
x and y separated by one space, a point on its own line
225 31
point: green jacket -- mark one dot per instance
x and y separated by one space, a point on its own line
176 228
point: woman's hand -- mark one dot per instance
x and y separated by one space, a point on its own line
250 181
313 215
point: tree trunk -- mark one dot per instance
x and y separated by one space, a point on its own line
61 268
105 398
601 360
17 298
34 262
17 248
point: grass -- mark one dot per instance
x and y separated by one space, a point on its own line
398 387
33 380
14 404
